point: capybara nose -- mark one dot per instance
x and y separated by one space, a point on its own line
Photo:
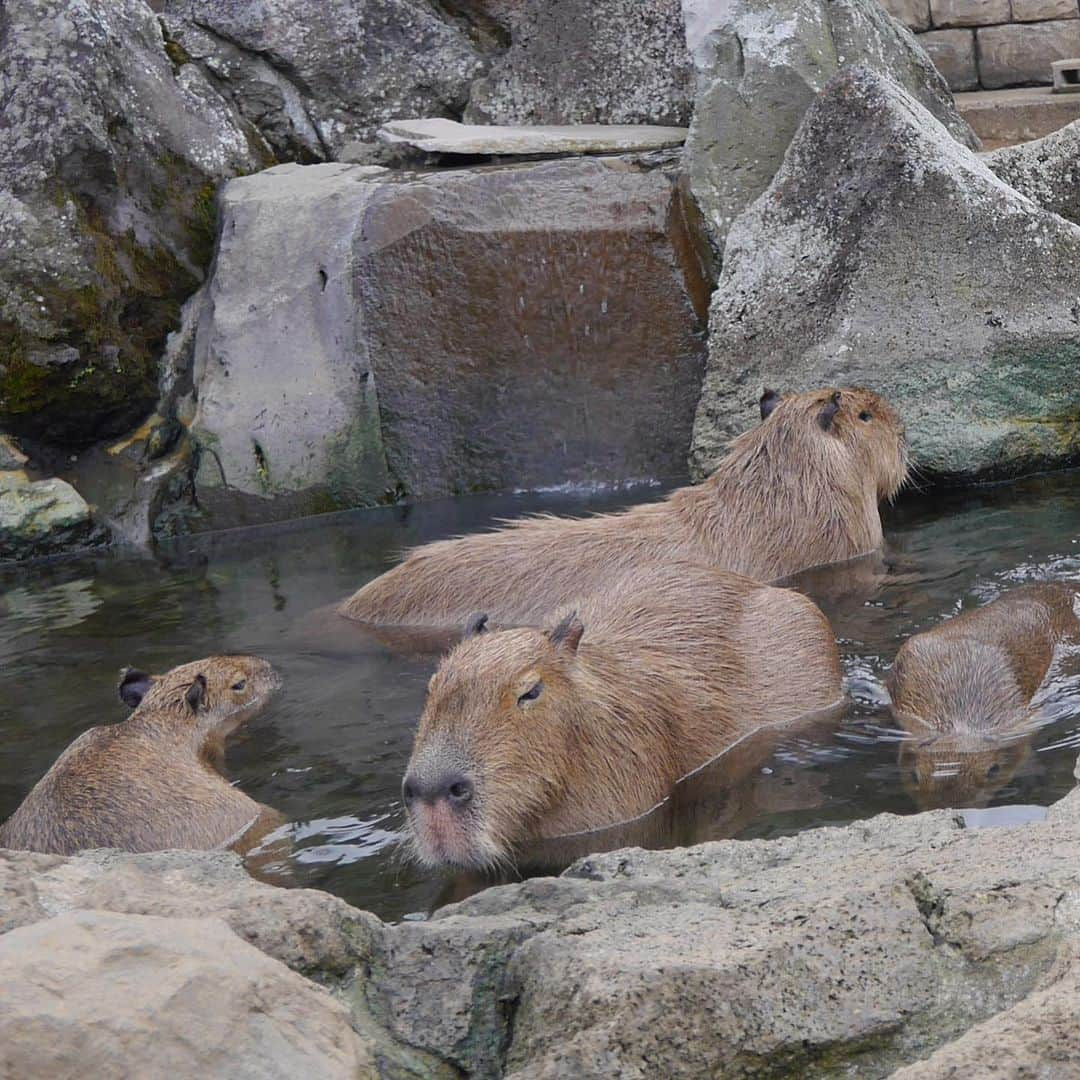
455 788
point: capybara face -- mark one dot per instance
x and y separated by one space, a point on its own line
858 422
216 694
493 745
959 770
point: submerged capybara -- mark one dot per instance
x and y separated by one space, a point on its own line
149 783
529 734
963 692
800 489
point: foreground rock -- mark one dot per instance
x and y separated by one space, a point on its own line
108 169
759 65
455 331
584 62
315 76
885 254
98 994
448 137
43 517
1046 170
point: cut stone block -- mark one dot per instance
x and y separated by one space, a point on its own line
449 137
1066 76
969 12
914 14
953 53
1018 55
1038 10
1007 117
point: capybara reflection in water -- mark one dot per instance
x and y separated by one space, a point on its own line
963 693
149 783
529 734
800 489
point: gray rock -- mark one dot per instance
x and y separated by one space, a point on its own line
969 12
316 75
1046 170
1019 54
449 137
43 517
99 994
760 64
108 168
465 330
953 54
886 254
1039 10
585 62
914 14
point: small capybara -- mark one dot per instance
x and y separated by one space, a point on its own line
149 783
800 489
963 692
529 734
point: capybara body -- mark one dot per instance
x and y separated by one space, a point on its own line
529 734
801 489
963 692
149 783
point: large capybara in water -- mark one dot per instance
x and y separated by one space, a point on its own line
963 693
149 783
800 489
529 734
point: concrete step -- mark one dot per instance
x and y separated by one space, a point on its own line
1006 117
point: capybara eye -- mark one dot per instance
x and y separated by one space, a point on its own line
866 417
531 695
239 685
993 770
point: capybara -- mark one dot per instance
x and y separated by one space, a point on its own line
529 734
963 692
149 783
800 489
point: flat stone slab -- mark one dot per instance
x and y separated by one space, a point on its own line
1007 117
450 137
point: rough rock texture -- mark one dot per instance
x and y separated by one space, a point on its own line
885 254
585 61
316 76
1038 10
953 54
914 14
97 994
969 12
368 332
760 64
43 517
1046 170
11 457
1015 55
108 168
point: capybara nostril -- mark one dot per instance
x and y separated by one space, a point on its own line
409 790
455 788
459 792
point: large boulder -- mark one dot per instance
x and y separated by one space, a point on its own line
108 169
1046 170
43 517
318 75
885 254
94 993
369 333
759 65
585 61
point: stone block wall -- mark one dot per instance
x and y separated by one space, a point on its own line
991 44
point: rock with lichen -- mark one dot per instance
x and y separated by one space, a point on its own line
108 171
43 517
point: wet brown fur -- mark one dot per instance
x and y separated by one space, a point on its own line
675 664
963 692
150 782
788 495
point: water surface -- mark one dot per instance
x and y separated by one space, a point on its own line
330 751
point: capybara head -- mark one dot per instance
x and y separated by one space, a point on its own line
495 743
214 695
851 425
957 770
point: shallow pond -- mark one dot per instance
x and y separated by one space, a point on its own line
330 751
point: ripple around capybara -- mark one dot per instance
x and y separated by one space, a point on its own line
150 782
799 490
529 734
963 693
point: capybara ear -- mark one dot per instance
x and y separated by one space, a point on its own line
769 400
133 686
196 693
828 411
477 624
567 635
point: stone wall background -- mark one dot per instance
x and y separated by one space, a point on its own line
992 44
